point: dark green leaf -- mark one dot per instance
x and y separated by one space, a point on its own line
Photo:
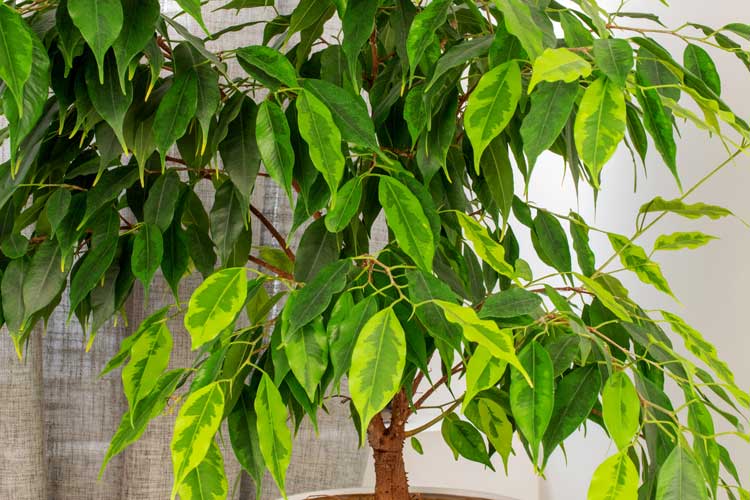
699 62
307 352
575 396
465 440
162 200
239 150
100 22
148 251
309 302
136 33
551 105
44 279
552 241
243 433
175 111
347 204
267 65
510 303
318 247
659 125
228 218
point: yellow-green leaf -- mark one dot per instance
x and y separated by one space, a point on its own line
317 128
520 23
149 356
679 207
600 124
680 477
605 297
407 219
483 371
307 351
491 106
274 436
378 360
215 304
194 429
486 333
488 249
558 65
678 241
621 409
208 481
634 257
616 479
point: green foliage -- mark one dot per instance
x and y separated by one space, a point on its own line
429 117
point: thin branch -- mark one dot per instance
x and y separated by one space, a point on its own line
276 234
280 272
459 367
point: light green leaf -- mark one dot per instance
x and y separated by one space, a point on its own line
207 481
317 128
621 409
681 477
347 203
678 241
634 258
705 446
197 422
558 65
378 360
520 23
193 8
343 330
510 303
148 251
162 200
532 404
127 343
491 106
100 22
485 333
131 428
175 111
15 52
491 419
615 58
605 297
615 479
423 32
407 219
215 304
307 351
274 436
488 249
44 279
575 396
483 371
551 106
694 211
600 125
268 65
273 136
149 357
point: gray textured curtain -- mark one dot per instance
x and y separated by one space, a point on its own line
56 416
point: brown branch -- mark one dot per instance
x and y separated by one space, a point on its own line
276 234
280 272
564 289
432 389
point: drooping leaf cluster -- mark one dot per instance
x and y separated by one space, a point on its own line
432 114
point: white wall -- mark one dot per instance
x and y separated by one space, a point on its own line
711 283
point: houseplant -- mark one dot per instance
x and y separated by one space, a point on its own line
434 113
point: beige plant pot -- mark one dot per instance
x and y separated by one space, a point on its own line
417 493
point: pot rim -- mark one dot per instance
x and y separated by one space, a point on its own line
423 490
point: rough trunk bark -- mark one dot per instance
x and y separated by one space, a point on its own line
387 444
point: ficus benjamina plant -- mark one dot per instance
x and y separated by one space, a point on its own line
432 113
